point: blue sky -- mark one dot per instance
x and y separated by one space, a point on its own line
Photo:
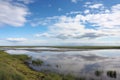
59 22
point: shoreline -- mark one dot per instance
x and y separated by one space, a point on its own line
17 62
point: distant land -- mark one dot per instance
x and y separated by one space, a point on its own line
73 47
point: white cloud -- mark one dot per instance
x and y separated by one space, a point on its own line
109 19
26 1
44 21
16 39
60 9
96 6
74 12
34 42
116 8
74 1
12 13
87 3
87 11
105 24
68 27
42 35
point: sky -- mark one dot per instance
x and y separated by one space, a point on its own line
60 22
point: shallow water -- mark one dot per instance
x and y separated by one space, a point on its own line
78 63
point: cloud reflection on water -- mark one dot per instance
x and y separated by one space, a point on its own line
76 62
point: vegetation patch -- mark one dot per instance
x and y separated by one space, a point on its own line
112 74
37 62
98 73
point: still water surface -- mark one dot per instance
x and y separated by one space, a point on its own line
75 62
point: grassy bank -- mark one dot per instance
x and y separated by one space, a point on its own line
13 67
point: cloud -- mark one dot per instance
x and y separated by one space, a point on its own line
44 21
26 1
42 35
106 18
16 39
92 5
96 6
92 35
60 9
12 14
74 1
87 25
87 11
74 12
87 3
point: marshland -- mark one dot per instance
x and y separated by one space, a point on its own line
57 62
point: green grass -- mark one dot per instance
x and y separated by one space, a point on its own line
16 63
37 62
13 67
9 73
22 57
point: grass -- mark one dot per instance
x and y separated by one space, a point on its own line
13 67
112 74
98 73
16 63
9 73
37 62
22 57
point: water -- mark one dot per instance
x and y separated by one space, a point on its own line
75 62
